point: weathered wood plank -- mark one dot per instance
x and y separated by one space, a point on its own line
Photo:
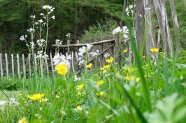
6 62
24 67
12 62
18 66
1 65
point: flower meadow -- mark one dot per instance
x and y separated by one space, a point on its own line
148 89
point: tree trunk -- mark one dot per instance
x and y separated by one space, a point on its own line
139 22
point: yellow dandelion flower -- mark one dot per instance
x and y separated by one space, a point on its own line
100 94
79 108
88 66
100 82
80 87
23 120
154 50
106 66
110 60
62 69
125 50
36 96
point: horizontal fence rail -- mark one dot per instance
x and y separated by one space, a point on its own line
27 65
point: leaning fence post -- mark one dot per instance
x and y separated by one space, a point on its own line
1 65
12 60
117 49
6 60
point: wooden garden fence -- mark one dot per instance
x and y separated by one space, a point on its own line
27 65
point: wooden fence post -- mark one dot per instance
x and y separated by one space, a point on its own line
12 60
72 61
24 67
6 61
1 65
18 67
51 62
46 63
29 65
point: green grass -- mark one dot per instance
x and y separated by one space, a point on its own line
123 100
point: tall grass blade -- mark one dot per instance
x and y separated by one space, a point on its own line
123 91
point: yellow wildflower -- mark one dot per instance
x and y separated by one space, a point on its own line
129 78
125 50
23 120
137 79
102 68
80 87
100 82
110 60
100 94
62 69
79 108
154 50
36 96
106 67
88 66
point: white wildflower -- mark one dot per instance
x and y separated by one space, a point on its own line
53 17
33 16
59 59
40 21
40 42
89 46
106 55
31 30
117 30
82 50
76 78
23 37
42 14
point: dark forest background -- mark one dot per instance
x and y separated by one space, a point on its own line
86 20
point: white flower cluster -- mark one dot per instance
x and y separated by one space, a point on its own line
23 37
58 42
32 16
41 54
41 42
59 59
31 30
83 52
123 30
12 101
49 8
130 10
